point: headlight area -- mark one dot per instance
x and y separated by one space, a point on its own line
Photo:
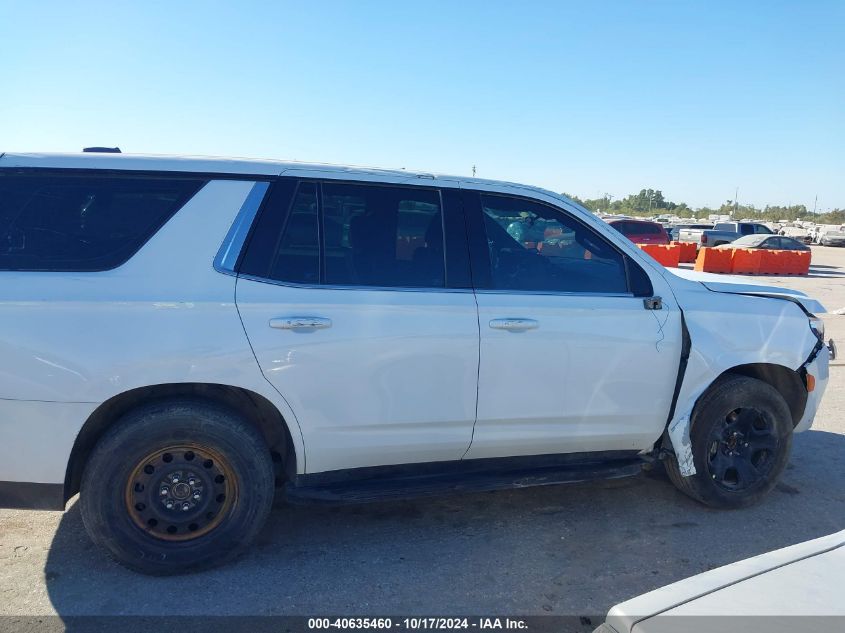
817 327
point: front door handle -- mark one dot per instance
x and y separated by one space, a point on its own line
300 323
514 325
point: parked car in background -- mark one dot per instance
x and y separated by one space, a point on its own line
182 338
796 233
723 233
772 242
675 229
797 588
832 238
641 231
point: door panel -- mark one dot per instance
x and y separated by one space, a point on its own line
392 380
571 360
357 304
592 375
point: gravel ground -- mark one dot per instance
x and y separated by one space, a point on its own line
568 550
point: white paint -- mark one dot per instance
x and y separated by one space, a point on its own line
800 580
679 430
392 381
395 377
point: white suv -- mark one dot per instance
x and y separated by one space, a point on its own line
181 337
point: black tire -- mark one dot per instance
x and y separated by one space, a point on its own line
218 474
741 437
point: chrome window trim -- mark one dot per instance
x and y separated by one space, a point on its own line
291 284
229 251
553 293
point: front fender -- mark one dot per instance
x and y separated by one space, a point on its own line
727 331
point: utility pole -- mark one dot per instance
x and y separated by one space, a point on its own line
473 171
815 202
736 195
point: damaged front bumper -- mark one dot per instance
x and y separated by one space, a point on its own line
818 373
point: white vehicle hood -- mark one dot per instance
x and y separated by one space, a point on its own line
738 285
801 580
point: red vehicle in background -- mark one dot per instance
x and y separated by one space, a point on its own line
641 231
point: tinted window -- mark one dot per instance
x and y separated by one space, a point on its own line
725 226
82 222
296 256
382 236
535 247
746 229
641 228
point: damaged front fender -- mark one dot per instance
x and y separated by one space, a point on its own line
729 331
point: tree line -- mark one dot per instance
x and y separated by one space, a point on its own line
650 202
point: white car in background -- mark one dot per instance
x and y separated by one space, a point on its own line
181 337
794 589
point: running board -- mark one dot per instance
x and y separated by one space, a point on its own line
428 485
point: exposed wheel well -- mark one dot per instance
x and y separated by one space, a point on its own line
255 408
788 383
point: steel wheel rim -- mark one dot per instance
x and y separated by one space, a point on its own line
742 449
180 492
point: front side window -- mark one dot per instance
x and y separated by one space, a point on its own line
88 222
382 236
534 247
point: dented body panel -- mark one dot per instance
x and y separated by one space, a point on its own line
732 324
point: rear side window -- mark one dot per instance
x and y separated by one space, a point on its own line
382 236
641 228
355 235
90 222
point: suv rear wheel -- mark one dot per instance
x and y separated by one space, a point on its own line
741 438
176 486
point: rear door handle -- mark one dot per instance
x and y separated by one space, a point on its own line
514 325
300 323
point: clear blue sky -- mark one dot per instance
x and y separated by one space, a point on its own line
694 98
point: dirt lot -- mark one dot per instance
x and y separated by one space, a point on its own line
567 550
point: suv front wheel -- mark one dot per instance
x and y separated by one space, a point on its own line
177 486
741 438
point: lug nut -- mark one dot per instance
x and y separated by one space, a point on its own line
197 496
186 507
163 492
175 479
191 482
169 505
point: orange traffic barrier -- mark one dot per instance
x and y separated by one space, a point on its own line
688 251
777 262
746 261
802 262
714 260
666 254
756 261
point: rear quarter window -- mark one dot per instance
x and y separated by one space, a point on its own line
83 222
